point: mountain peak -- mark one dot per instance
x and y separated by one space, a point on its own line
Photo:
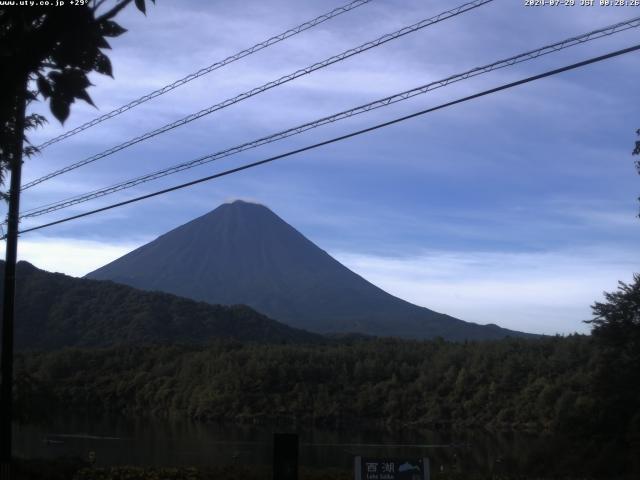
238 208
243 253
242 203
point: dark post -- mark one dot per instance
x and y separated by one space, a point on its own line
285 456
6 399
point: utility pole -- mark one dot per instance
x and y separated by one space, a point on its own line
8 305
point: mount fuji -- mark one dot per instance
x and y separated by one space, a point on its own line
243 253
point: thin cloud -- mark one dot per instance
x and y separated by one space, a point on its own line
70 256
546 292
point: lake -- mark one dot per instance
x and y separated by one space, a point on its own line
145 442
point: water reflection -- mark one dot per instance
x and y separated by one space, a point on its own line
122 441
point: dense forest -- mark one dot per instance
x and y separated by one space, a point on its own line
548 384
578 384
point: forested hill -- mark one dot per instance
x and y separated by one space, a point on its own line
54 311
549 384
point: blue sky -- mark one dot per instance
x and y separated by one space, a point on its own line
516 209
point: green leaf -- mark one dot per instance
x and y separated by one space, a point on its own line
102 43
110 28
54 75
83 95
44 86
30 150
103 64
59 108
70 83
33 121
141 6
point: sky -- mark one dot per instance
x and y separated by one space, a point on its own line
518 208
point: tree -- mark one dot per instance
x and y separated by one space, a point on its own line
617 321
45 51
53 49
616 332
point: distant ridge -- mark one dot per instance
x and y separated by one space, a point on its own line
243 253
55 311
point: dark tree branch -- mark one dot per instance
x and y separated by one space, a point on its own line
114 11
98 4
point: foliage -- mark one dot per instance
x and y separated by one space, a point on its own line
54 311
581 385
224 472
617 321
160 361
49 50
542 384
616 330
242 472
138 473
258 473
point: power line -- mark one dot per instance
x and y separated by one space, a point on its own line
267 86
230 59
342 137
530 55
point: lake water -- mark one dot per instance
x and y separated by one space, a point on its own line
121 441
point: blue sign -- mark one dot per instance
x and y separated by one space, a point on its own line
367 468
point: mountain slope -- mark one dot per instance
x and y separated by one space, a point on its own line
54 310
243 253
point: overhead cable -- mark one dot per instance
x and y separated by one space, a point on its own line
340 138
267 86
203 71
522 57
